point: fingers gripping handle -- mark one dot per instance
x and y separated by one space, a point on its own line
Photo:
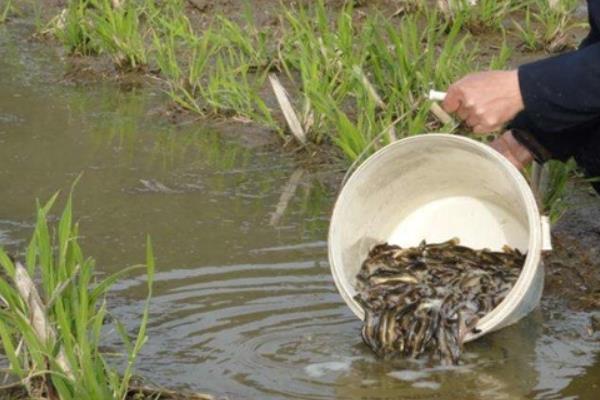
436 95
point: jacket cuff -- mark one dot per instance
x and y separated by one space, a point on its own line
540 153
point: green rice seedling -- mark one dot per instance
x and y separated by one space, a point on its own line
406 61
324 54
555 21
185 99
73 26
194 86
358 92
555 189
5 11
204 49
169 19
359 130
166 57
251 41
500 60
481 15
349 136
51 332
164 14
529 35
181 56
232 88
117 31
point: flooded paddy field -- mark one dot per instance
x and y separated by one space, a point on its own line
244 305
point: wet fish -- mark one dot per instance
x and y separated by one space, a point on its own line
429 298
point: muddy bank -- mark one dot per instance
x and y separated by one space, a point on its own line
573 267
270 20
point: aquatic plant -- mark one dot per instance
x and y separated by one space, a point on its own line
51 332
334 66
72 28
180 55
183 79
247 37
232 87
554 187
479 15
219 71
5 10
555 21
530 37
500 60
384 73
324 55
117 31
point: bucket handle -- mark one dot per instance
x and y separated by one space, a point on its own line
546 233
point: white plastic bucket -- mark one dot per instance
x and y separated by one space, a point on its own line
435 187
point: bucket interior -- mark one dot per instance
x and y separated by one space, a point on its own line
426 188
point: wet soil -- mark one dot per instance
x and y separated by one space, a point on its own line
573 267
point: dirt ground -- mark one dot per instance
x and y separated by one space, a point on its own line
573 267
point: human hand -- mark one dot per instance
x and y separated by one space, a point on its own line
485 100
515 152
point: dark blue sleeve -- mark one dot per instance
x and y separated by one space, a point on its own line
594 20
562 97
563 91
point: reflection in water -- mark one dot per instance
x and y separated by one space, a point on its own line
244 306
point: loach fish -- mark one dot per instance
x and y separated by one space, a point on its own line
429 298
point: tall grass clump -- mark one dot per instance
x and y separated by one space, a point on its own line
554 187
363 84
232 87
356 82
406 61
118 32
253 42
73 28
526 31
481 15
5 10
102 26
181 55
51 331
322 54
554 20
219 71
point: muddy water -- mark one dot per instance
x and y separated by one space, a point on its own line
244 305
